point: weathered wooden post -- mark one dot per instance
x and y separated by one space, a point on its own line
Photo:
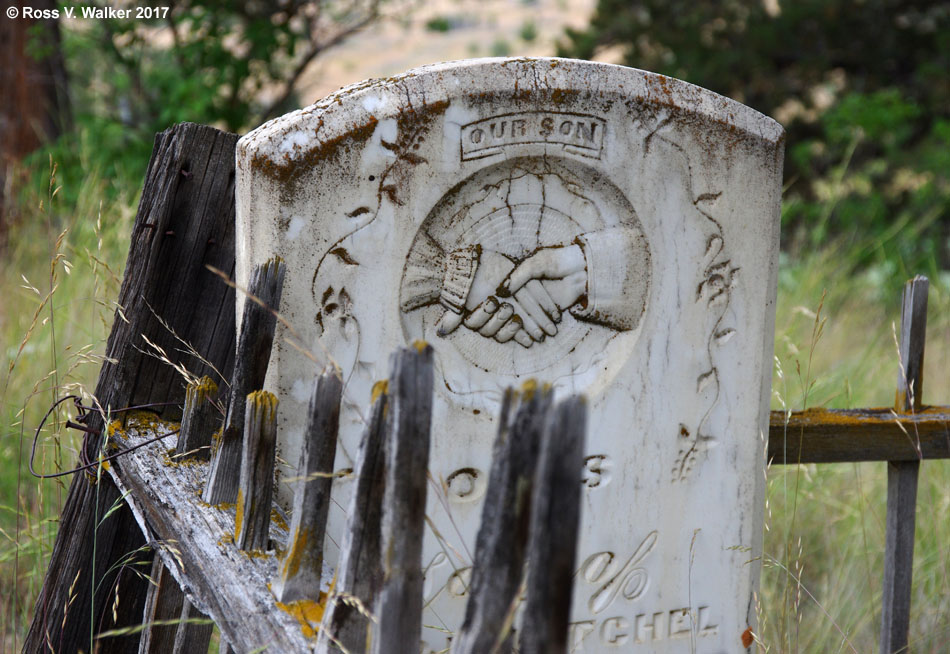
255 489
902 475
253 351
399 606
200 420
185 221
555 515
162 609
302 565
360 573
194 631
503 534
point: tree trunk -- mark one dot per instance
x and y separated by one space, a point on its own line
33 85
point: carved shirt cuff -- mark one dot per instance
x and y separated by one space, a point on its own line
617 269
460 267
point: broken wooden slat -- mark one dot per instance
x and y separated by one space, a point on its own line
253 353
555 522
360 571
194 631
200 419
252 516
163 605
902 476
503 533
399 607
849 435
302 566
185 221
228 585
910 377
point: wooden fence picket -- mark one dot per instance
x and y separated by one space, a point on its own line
555 520
902 475
250 367
399 605
302 565
351 605
503 534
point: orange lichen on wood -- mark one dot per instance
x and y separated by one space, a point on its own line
114 428
379 388
239 514
278 519
816 417
847 435
298 549
148 420
307 612
203 389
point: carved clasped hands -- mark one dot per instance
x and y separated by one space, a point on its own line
505 300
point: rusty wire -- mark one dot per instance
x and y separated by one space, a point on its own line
89 435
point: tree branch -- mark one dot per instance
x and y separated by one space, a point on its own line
312 52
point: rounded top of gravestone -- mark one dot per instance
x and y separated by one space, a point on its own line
289 145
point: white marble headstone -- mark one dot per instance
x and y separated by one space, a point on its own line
630 221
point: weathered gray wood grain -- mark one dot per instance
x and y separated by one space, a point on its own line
163 605
503 533
256 490
360 572
196 544
902 476
194 634
846 435
898 555
555 525
185 221
258 323
302 565
913 337
408 421
200 420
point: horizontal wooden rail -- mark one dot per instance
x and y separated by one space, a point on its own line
196 543
849 435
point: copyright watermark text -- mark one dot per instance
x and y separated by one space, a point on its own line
93 13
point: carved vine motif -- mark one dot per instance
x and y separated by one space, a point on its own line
717 280
335 305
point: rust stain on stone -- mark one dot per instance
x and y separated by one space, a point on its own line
292 168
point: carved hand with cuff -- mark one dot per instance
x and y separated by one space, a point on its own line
470 296
524 301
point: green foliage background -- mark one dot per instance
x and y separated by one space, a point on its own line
218 62
862 88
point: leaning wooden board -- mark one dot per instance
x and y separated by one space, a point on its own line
196 543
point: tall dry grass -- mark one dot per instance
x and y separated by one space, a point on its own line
60 276
835 347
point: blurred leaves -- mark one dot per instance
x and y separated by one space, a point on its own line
861 87
228 64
